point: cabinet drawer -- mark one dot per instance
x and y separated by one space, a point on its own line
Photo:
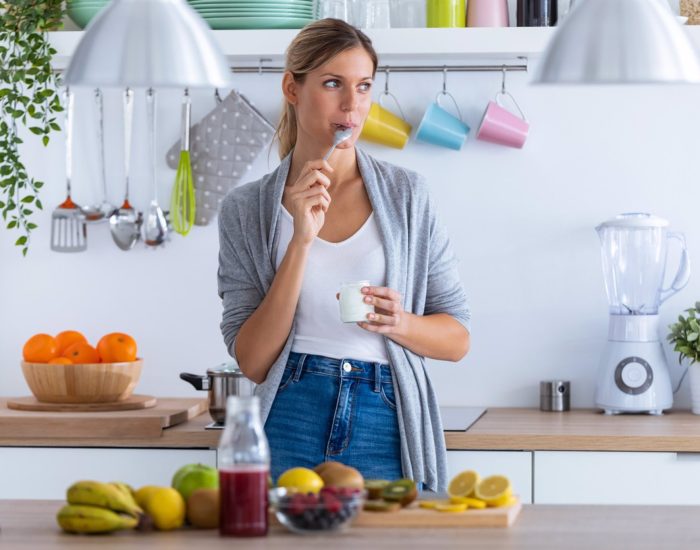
616 478
46 473
517 465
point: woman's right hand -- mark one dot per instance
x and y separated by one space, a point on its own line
309 200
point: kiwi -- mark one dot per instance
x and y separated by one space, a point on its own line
402 491
375 487
379 505
342 476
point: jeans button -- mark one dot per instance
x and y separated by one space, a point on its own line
347 367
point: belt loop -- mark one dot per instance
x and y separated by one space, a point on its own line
377 377
300 367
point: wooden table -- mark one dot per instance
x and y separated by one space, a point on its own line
31 525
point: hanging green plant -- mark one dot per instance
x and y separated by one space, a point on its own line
28 96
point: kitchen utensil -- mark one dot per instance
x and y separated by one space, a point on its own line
537 13
499 125
82 383
446 13
221 382
131 403
555 395
339 137
408 14
125 222
222 147
182 201
100 212
633 376
68 228
142 424
155 229
487 13
440 127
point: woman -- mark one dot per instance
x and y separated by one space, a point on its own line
356 393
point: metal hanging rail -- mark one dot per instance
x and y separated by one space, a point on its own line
260 69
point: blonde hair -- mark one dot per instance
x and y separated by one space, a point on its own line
316 44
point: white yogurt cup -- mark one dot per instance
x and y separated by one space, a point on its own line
353 308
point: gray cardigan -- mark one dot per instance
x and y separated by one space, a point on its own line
420 265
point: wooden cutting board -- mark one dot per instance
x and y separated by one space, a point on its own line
133 424
133 402
413 516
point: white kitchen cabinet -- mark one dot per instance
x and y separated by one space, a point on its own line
46 472
568 477
517 465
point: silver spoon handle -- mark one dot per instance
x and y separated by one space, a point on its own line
69 138
128 118
330 152
101 140
151 112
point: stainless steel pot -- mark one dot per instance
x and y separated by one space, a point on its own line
221 381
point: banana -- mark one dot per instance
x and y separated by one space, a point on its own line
76 518
125 487
106 495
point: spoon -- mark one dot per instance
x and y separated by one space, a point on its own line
339 137
125 222
100 212
156 228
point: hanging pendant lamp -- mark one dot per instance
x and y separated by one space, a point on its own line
148 43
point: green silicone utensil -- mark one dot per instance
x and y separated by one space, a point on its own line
182 201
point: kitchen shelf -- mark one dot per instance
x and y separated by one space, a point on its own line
393 45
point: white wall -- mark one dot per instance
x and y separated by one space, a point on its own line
521 222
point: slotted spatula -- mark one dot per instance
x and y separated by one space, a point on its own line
68 225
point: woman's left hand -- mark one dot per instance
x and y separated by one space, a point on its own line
389 316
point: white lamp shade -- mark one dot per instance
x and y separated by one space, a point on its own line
619 42
148 43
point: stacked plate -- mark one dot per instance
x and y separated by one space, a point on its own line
255 14
82 11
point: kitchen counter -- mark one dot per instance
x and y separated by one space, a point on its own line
497 429
31 524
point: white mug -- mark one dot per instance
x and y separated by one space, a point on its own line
353 308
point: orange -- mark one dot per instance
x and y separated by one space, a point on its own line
40 348
60 361
117 347
67 338
81 353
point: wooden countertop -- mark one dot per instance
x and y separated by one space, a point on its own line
31 524
579 430
497 429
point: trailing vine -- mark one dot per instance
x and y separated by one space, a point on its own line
28 96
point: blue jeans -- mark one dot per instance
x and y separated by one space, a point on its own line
335 409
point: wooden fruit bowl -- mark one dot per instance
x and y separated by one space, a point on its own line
88 383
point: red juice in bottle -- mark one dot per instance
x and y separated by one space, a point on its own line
243 493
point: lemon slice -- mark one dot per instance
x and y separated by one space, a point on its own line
428 504
451 508
475 503
494 490
463 484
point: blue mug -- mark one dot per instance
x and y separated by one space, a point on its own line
440 127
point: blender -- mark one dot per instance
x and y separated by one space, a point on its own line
633 376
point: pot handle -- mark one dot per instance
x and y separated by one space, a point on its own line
199 382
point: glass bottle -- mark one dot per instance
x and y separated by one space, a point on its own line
244 466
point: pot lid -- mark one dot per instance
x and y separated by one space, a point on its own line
225 369
632 220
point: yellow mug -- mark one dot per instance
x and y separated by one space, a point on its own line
384 127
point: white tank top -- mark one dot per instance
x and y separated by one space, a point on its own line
319 330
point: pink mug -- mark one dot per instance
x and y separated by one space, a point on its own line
487 13
499 125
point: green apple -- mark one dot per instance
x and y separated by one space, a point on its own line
195 476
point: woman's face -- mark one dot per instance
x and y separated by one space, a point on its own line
333 97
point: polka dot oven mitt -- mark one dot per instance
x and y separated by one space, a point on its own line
222 147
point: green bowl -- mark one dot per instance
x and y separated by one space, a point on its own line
81 16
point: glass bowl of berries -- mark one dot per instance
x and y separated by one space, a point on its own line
331 509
